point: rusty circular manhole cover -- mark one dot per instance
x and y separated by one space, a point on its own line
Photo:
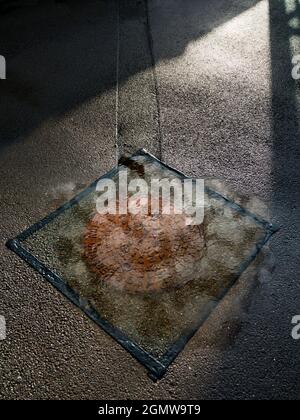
142 253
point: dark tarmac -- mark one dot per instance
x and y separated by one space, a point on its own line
218 102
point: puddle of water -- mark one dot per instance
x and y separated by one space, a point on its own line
153 287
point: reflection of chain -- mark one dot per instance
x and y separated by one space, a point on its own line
151 49
117 145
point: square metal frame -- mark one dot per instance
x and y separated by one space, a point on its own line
156 367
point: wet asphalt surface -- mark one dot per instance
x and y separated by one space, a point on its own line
219 101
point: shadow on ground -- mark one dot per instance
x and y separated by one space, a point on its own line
61 54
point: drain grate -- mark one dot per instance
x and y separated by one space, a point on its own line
151 293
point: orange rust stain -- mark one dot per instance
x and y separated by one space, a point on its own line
142 253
